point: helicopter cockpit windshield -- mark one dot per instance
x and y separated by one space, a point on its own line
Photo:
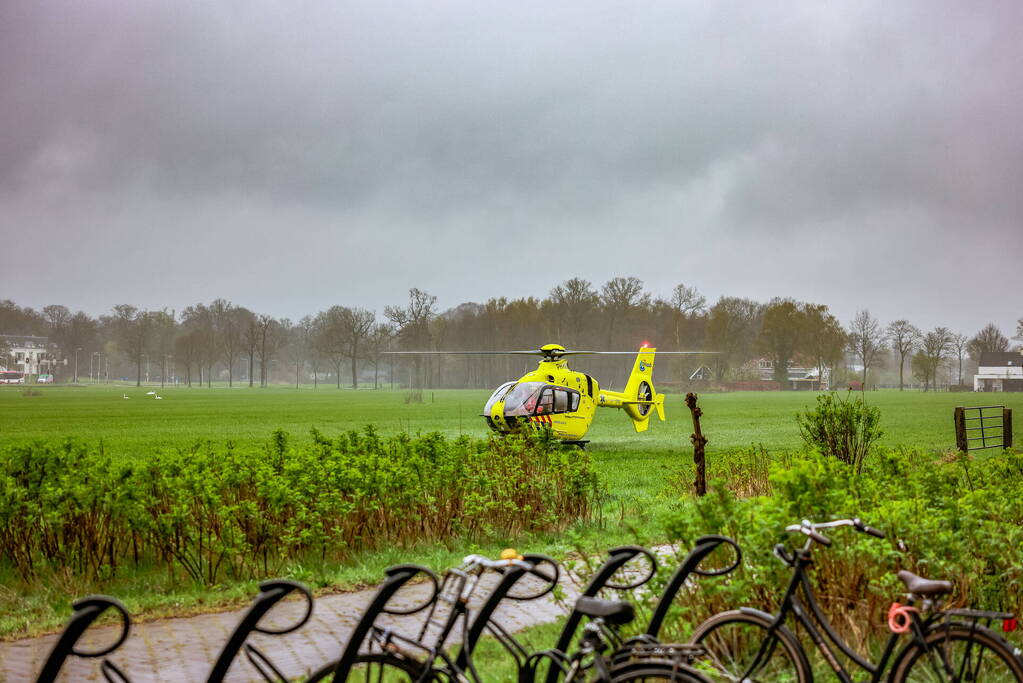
523 397
497 396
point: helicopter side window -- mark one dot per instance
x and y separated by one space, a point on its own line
546 403
573 399
560 400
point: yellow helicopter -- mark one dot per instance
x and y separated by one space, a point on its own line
563 400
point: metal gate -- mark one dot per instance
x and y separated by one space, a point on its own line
980 427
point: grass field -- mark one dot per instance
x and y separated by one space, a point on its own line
632 464
634 467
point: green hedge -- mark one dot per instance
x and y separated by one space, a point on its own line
946 516
215 511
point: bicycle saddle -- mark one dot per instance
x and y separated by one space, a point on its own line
921 586
615 612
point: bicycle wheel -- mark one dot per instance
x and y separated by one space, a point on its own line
958 654
735 641
637 672
377 668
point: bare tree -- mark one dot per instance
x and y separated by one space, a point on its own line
619 297
572 304
823 338
903 338
270 340
685 302
413 325
163 328
990 339
958 343
234 324
329 338
934 349
188 351
132 327
380 339
199 319
865 340
356 325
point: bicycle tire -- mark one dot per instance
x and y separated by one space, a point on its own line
381 668
973 653
732 640
637 672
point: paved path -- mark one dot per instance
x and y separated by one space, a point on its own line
183 649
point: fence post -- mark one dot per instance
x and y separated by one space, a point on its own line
699 441
960 420
1006 427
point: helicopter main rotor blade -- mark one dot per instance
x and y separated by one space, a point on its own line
631 353
461 353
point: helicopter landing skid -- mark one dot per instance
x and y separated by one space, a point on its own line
580 443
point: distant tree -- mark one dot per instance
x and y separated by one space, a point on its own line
380 339
21 321
780 335
201 320
270 340
132 327
188 351
732 328
233 325
865 340
163 327
685 303
619 297
934 348
251 344
572 305
958 343
356 326
903 338
298 344
329 339
413 324
5 354
990 339
823 339
1019 329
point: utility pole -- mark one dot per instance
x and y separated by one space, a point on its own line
76 363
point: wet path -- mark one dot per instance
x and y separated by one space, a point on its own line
184 649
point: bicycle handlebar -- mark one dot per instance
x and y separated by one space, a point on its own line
810 529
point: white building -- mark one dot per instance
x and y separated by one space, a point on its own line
29 355
999 371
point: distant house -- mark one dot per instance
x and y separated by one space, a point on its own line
702 373
806 379
999 371
28 354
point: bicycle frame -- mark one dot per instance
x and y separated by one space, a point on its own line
820 629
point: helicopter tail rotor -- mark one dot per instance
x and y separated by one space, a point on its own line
641 397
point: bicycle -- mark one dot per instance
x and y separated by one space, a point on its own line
946 645
426 657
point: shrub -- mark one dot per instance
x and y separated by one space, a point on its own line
212 511
843 428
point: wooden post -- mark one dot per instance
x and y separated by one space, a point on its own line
699 441
960 421
1006 427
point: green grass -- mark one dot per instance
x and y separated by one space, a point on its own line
633 466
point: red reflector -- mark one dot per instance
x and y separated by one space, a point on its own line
1009 625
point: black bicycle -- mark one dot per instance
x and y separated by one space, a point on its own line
946 646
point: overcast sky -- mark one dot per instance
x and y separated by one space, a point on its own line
293 155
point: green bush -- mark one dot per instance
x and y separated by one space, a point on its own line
215 511
843 428
946 517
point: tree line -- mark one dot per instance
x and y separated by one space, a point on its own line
223 341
